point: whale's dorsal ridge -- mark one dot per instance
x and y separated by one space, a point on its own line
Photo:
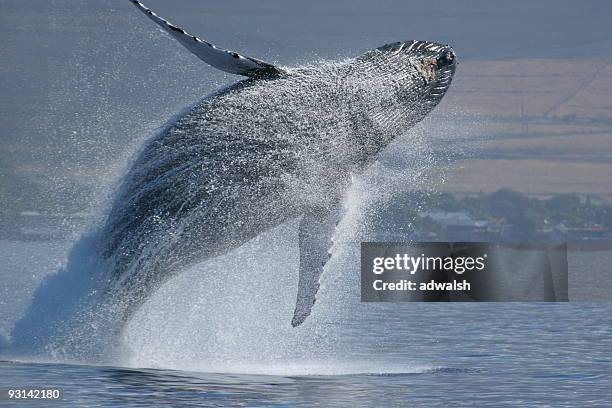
225 60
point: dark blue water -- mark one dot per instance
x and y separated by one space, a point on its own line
477 381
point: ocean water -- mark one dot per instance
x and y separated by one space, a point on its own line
196 344
457 356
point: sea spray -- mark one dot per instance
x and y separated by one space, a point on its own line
261 153
230 314
77 314
64 319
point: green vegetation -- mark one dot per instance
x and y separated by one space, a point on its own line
524 212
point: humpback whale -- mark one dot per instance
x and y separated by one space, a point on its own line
279 145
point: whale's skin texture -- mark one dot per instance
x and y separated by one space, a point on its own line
260 153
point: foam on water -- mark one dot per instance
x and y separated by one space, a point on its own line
232 315
316 368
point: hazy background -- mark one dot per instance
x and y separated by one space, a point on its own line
83 82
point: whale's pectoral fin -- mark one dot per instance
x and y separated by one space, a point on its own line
219 58
317 228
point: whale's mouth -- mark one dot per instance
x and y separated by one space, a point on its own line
429 67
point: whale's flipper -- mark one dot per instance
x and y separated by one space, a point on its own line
317 228
219 58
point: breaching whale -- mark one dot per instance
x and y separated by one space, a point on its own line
276 146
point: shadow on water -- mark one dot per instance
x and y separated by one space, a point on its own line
131 387
264 389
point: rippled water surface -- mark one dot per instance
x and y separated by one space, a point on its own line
460 355
374 355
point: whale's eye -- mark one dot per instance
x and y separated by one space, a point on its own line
445 59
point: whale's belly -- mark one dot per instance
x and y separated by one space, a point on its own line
195 191
239 163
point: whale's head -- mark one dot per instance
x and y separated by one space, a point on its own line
409 74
